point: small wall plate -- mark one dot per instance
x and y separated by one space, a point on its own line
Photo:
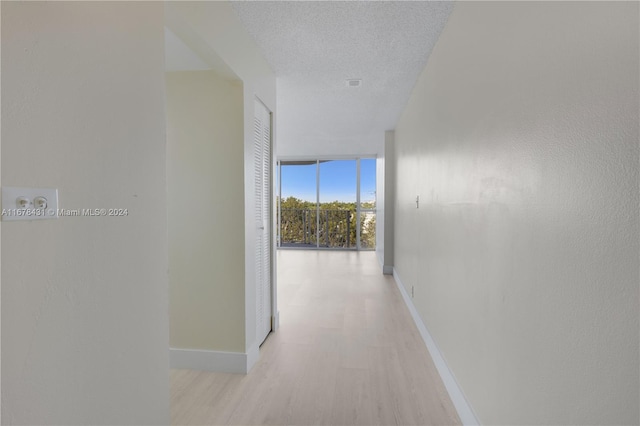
15 208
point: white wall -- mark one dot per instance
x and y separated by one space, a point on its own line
214 27
380 208
366 145
310 149
521 138
85 299
0 221
386 203
206 204
385 192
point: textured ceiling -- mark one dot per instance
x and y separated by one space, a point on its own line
314 47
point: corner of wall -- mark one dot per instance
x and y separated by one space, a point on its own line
217 25
389 199
216 361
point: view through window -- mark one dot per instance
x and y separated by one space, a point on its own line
327 204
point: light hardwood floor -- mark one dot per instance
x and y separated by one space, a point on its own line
347 353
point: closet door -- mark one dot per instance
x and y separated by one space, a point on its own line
262 169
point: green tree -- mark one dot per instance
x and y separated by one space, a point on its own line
333 224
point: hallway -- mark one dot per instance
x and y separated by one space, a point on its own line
341 356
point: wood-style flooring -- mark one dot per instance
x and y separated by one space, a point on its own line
347 353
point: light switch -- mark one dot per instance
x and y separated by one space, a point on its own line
29 203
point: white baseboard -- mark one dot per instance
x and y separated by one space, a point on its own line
465 412
222 362
387 269
252 357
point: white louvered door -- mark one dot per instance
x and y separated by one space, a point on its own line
262 169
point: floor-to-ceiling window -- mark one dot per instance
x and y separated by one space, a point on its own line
367 203
297 200
327 204
337 191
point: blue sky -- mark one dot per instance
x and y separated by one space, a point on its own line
337 181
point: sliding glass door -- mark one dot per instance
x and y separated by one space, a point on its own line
297 201
367 204
337 207
328 204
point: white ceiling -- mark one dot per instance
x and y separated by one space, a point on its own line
314 47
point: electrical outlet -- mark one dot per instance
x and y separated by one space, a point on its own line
29 203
